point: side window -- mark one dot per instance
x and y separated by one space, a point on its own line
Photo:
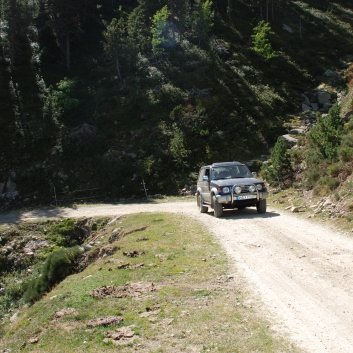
201 174
204 172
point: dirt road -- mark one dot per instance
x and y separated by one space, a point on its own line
301 271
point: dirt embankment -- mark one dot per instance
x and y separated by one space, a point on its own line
301 271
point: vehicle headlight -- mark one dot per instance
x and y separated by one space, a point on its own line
237 189
259 187
252 188
225 190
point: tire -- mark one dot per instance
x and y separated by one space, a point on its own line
217 207
203 209
261 206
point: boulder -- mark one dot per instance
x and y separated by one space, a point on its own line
324 97
14 317
105 321
62 175
289 140
314 106
305 107
307 101
10 190
345 118
287 28
34 245
83 133
330 73
296 131
87 247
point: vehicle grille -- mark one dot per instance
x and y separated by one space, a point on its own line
244 189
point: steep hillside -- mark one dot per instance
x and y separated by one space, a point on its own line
96 98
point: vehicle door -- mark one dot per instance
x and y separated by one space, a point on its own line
206 180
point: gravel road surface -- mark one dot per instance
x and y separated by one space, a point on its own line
302 271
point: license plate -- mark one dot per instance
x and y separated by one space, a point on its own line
245 197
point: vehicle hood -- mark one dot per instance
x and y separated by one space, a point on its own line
237 181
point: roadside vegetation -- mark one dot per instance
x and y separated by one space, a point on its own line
97 98
315 176
145 285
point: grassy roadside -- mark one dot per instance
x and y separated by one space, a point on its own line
195 306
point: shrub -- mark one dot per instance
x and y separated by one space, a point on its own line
281 165
325 186
56 268
14 291
345 153
326 135
312 176
334 169
256 166
261 44
65 232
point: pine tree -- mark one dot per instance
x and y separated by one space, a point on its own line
113 42
280 160
261 44
327 134
203 19
158 30
66 18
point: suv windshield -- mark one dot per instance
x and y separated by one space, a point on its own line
230 172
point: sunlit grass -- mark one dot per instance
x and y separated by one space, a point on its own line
201 307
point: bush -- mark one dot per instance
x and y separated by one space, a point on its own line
261 44
312 175
57 267
65 232
256 166
325 186
334 169
345 153
326 135
280 169
14 291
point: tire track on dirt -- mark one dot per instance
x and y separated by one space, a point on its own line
301 271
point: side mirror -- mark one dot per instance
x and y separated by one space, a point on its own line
254 174
205 178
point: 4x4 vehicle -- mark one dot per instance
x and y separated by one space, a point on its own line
229 185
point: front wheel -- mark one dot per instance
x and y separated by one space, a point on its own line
203 209
217 207
261 206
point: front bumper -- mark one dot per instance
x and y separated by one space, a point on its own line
231 198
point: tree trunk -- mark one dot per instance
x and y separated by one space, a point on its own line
12 30
300 29
68 50
273 14
118 68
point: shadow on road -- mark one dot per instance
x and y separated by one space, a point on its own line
248 213
20 215
66 211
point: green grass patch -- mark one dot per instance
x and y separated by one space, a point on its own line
195 305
